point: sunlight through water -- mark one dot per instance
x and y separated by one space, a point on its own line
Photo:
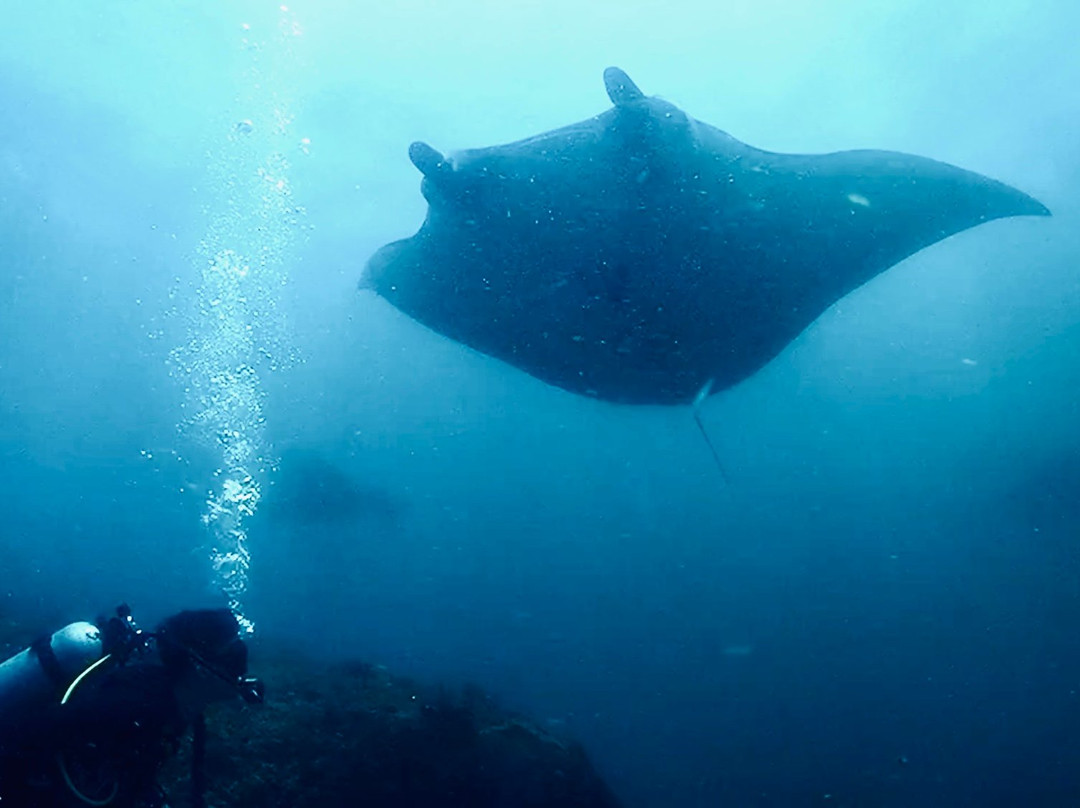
236 333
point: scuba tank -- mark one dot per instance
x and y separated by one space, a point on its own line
46 672
39 675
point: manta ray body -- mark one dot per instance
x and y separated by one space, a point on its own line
645 257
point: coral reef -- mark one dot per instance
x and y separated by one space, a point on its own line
353 734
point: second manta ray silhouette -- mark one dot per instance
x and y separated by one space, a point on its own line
645 257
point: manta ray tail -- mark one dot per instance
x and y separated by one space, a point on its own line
695 408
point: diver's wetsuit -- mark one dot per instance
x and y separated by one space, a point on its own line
112 735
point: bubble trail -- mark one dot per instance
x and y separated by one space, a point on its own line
235 332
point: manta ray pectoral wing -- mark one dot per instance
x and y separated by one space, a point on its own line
851 215
900 183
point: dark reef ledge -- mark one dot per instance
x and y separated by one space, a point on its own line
352 734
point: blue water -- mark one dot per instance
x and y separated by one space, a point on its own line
877 607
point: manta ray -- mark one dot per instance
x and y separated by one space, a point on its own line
645 257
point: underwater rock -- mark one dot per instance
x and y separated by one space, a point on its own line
352 734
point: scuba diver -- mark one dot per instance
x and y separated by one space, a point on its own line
89 714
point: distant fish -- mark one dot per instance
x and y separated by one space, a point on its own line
738 650
310 490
